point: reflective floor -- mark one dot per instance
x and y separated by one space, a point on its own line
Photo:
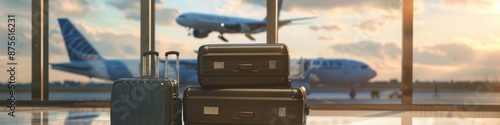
100 116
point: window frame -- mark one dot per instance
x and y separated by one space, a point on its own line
40 65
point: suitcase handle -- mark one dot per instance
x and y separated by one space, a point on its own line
240 115
146 72
252 67
172 52
150 53
176 64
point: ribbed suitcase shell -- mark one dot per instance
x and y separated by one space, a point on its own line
146 100
243 65
244 106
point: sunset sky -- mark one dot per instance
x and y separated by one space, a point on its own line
453 39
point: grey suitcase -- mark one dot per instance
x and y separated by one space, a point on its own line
243 65
147 100
245 106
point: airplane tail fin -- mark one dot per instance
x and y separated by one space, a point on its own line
280 2
79 49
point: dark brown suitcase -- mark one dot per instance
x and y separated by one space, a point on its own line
245 106
243 65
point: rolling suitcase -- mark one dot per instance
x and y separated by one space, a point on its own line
243 65
147 100
245 106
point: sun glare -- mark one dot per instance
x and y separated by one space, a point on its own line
496 8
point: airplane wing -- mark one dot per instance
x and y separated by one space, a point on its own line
257 25
72 66
287 21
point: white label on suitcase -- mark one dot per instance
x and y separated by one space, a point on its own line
211 110
218 65
282 112
272 64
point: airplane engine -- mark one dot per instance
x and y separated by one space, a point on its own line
243 28
199 33
237 27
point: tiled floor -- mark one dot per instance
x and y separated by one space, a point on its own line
101 116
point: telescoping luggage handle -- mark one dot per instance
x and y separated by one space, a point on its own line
150 69
176 64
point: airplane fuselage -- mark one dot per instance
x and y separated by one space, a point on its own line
317 71
218 23
116 69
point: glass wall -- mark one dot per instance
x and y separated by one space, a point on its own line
15 53
456 52
345 51
342 51
89 44
174 33
336 47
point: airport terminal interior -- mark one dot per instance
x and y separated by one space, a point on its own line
362 62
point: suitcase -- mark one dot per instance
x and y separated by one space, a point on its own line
245 106
243 65
147 100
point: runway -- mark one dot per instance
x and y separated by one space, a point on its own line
419 97
101 116
326 97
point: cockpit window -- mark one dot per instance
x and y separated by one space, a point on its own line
182 16
364 67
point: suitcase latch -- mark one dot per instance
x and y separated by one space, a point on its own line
251 67
240 115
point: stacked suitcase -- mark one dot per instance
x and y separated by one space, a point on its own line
149 99
244 84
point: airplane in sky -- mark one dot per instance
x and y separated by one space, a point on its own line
86 60
202 24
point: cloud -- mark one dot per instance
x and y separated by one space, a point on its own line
370 25
446 61
327 38
236 8
112 44
166 16
22 43
469 72
17 6
320 4
490 59
109 43
477 3
440 54
392 50
73 7
132 10
419 7
187 50
326 27
23 50
444 54
369 49
56 42
337 9
472 6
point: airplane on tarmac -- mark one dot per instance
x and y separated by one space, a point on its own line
85 60
203 24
